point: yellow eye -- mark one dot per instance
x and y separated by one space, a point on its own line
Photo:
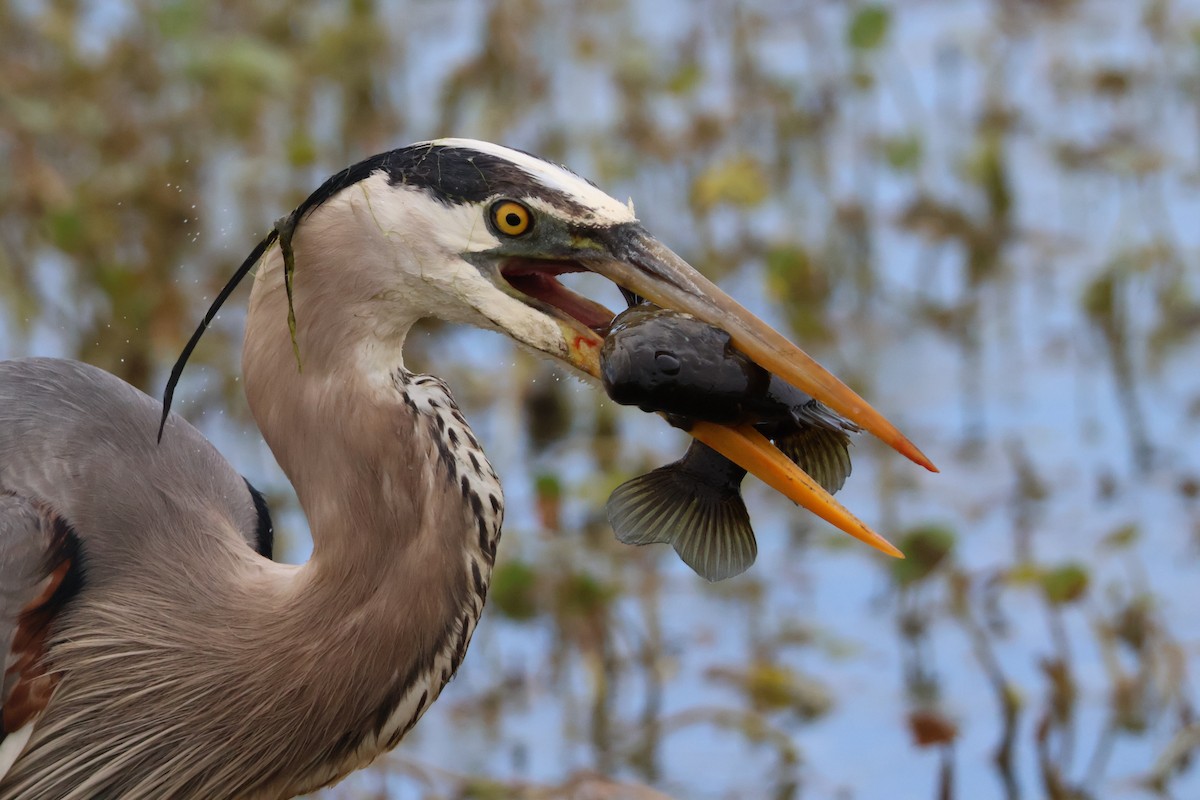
511 218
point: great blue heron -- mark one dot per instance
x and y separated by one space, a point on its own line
154 649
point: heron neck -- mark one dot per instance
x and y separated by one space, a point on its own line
376 455
404 509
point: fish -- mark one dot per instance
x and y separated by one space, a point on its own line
671 363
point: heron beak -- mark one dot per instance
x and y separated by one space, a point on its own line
640 263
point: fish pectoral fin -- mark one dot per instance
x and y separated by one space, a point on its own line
824 453
817 414
707 525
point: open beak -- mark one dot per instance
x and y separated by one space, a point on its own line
641 264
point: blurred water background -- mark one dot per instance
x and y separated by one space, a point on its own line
984 214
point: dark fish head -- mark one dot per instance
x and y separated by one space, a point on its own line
673 363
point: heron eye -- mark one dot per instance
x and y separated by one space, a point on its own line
511 218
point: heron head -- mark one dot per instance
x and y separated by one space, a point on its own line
476 233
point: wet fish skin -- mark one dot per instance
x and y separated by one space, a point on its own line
669 362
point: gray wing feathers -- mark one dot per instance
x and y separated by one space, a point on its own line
83 442
91 503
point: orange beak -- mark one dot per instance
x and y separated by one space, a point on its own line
641 264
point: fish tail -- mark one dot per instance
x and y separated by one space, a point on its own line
707 525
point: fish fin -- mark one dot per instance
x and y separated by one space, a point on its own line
824 453
818 414
707 525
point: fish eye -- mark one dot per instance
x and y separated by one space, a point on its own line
667 362
511 218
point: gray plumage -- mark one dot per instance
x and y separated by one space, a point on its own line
222 689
